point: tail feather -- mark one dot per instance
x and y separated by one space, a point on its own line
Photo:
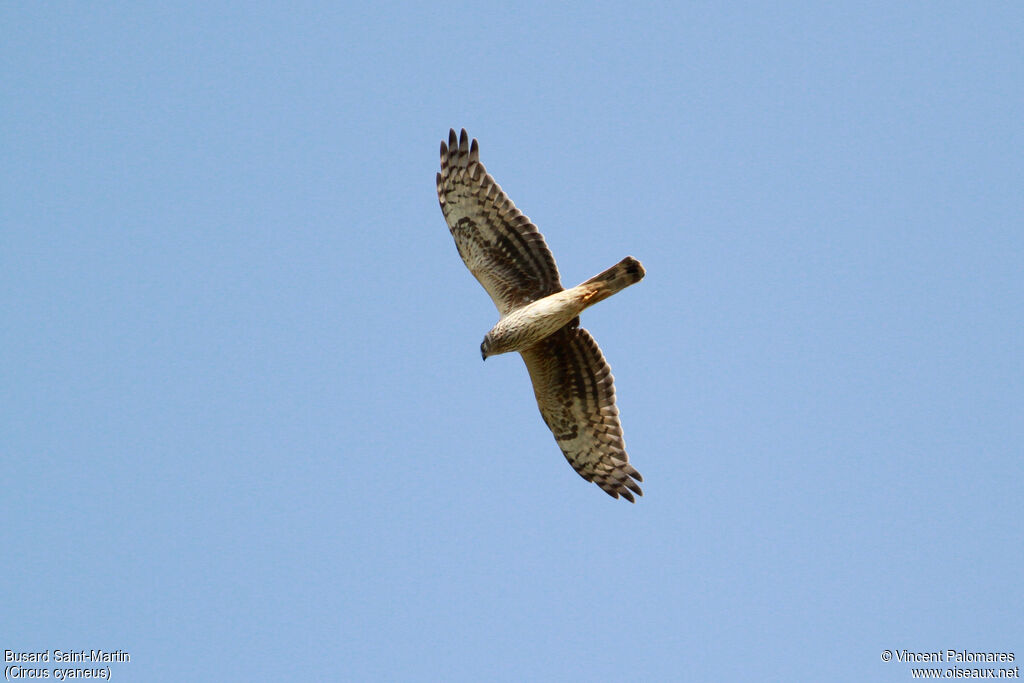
626 272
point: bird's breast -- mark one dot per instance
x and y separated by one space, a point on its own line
525 326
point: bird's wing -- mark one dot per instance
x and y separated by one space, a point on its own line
499 245
576 396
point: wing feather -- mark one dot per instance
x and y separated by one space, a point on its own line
576 395
499 245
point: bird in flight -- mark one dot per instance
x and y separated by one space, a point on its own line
540 318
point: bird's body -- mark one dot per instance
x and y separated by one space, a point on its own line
539 318
523 327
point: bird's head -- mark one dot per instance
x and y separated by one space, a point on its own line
485 346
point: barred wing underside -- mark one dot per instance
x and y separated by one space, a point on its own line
499 245
576 396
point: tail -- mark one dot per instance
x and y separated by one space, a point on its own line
626 272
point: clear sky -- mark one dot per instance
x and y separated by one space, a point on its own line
246 432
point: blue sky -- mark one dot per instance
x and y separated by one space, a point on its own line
246 431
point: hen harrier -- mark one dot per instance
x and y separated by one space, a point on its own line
540 318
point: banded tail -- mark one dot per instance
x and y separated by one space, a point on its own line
626 272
